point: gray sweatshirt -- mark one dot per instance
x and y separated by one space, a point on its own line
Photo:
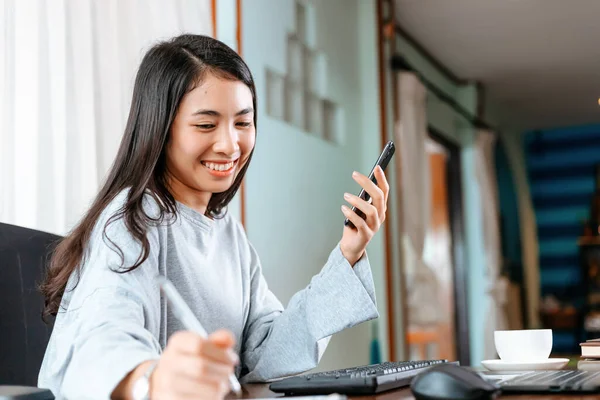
110 322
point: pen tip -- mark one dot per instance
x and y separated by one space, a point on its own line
235 386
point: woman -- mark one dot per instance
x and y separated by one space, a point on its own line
188 142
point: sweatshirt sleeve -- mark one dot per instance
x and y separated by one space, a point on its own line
110 323
282 342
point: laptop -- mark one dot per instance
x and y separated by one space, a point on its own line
546 382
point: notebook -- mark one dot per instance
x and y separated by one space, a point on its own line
590 348
589 364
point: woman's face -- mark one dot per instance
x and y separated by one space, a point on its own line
211 138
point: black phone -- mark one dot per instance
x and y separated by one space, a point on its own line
382 161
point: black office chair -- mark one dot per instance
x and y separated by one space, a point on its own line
24 255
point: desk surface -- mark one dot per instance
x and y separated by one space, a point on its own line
262 391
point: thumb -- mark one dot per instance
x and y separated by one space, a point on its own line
222 338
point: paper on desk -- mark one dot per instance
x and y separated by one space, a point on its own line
333 396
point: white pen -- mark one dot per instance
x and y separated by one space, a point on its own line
187 318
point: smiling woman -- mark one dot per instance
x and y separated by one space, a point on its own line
212 138
188 142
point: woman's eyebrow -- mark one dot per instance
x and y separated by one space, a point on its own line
207 112
245 111
217 114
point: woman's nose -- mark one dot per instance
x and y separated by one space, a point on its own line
227 142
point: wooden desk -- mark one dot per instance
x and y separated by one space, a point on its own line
262 391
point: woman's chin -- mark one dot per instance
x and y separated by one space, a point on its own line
218 187
215 184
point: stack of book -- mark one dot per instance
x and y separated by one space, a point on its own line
590 355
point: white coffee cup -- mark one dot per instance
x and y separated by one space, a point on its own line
528 345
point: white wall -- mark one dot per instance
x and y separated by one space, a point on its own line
296 181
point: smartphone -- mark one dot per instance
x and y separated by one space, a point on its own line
382 161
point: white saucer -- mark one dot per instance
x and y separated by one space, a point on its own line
550 363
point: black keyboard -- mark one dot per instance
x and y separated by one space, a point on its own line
553 381
367 379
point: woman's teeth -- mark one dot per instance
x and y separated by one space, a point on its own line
219 167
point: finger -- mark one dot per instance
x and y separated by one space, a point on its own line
219 348
383 183
202 369
369 210
222 338
186 342
373 190
359 223
380 202
172 384
192 389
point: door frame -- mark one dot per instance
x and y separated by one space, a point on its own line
455 208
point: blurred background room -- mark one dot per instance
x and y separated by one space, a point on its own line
494 106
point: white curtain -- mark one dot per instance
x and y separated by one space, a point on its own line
497 290
66 75
413 172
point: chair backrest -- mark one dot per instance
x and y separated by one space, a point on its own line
24 255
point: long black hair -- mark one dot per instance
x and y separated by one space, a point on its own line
168 71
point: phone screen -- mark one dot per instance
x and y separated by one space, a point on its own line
382 161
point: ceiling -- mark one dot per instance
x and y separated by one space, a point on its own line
538 58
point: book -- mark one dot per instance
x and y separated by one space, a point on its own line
590 349
588 364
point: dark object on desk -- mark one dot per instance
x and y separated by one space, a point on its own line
451 382
24 254
24 393
368 379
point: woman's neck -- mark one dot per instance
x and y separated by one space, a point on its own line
192 198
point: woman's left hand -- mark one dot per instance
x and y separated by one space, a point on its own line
355 240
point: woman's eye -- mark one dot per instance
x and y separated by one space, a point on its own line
205 126
244 124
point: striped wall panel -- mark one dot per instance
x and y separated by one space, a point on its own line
560 164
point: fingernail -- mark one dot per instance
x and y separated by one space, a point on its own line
344 209
355 174
346 195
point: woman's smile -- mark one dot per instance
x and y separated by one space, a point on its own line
220 168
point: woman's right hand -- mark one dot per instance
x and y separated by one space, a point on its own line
193 367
